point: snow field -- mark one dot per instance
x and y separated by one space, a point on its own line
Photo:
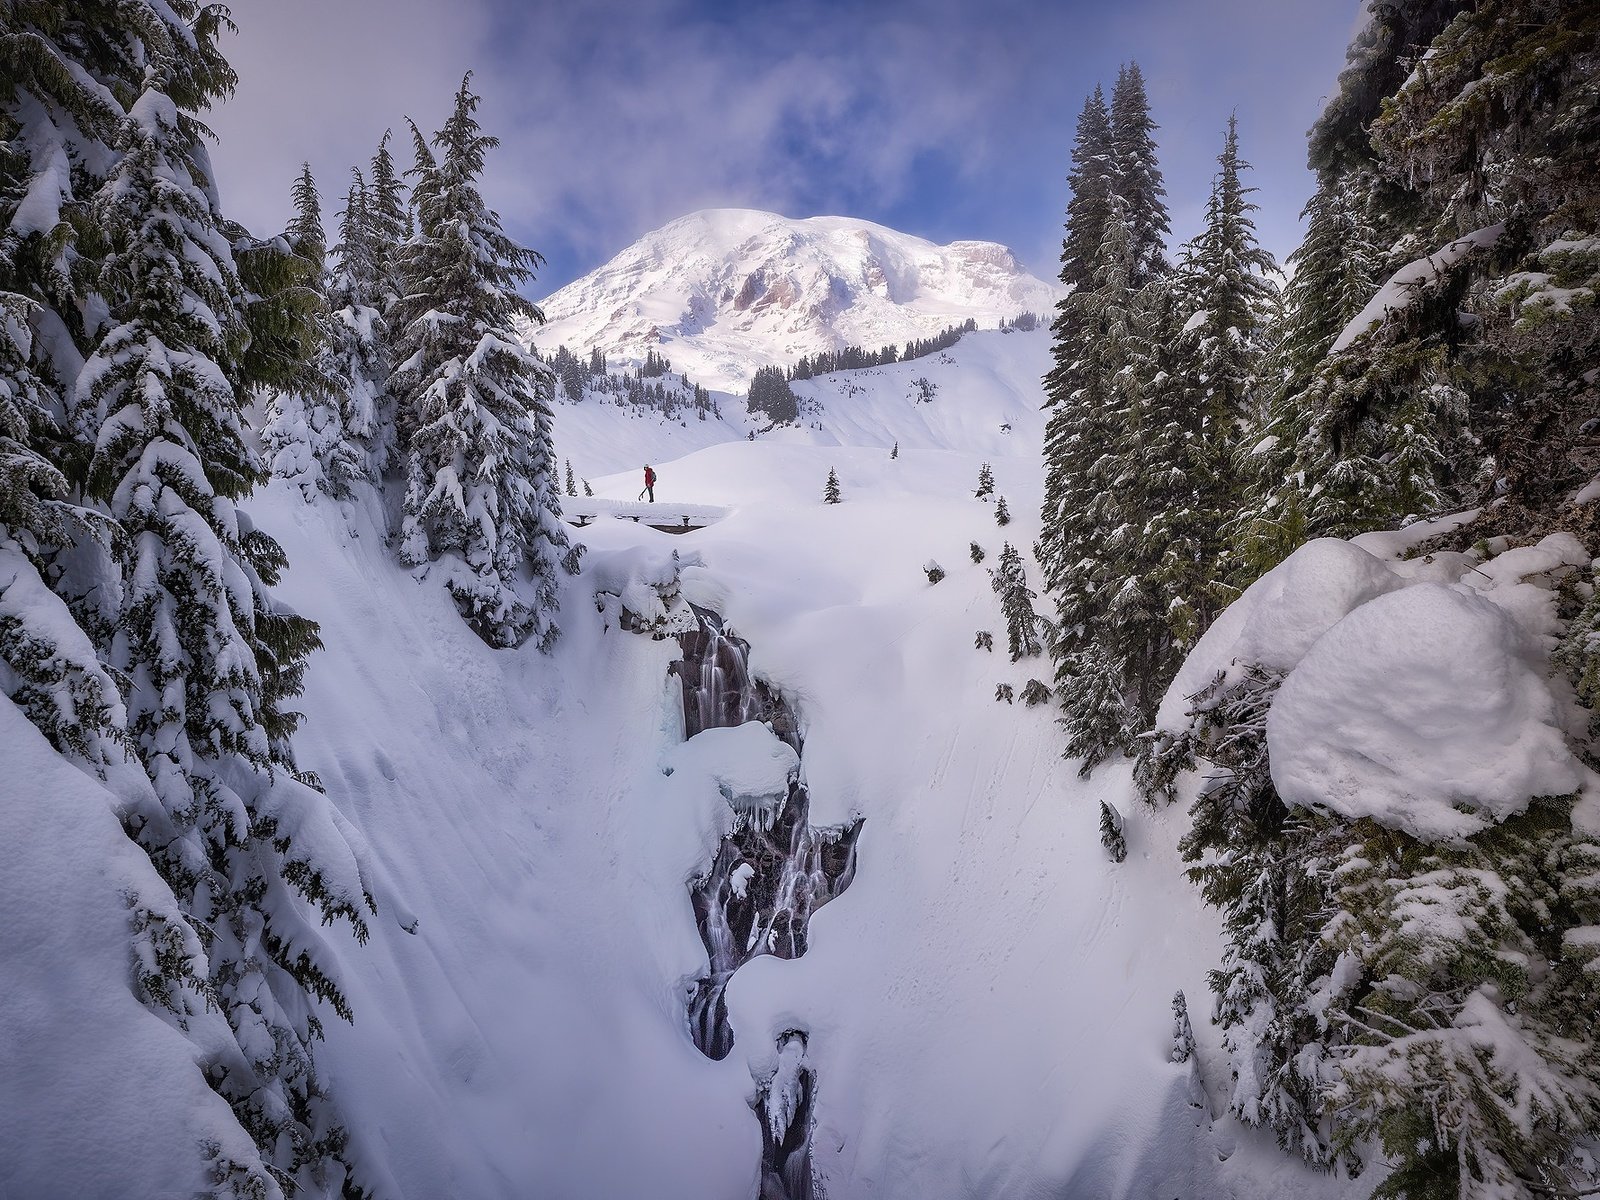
988 1004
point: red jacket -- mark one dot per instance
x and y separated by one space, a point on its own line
649 477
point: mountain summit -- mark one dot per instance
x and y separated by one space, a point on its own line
723 291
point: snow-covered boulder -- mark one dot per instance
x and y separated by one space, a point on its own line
641 587
1426 710
1279 617
750 765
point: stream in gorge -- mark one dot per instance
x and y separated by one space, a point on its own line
771 871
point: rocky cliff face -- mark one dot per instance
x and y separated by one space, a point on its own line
724 291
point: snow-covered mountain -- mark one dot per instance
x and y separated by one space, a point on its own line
723 291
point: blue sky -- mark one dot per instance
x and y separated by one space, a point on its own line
944 119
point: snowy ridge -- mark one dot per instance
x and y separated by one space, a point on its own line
723 291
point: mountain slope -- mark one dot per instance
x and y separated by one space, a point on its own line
723 291
985 401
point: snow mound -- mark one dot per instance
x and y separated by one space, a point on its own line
1425 710
99 1097
751 766
639 587
1279 617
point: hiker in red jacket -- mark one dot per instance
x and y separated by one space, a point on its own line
650 482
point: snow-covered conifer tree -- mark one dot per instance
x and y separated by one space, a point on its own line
481 477
47 666
985 482
1198 409
251 851
306 438
1010 582
830 489
1138 177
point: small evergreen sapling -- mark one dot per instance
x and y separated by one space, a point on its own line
895 453
933 570
830 489
1002 514
1004 692
1116 846
1182 1030
572 481
985 482
587 490
983 640
977 553
1035 692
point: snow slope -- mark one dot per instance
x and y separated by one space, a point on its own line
988 1004
984 383
723 291
100 1099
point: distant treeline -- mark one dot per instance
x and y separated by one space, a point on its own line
649 385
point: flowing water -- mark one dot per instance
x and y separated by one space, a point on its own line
770 873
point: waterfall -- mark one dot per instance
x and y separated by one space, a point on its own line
758 894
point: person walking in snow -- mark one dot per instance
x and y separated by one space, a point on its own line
650 482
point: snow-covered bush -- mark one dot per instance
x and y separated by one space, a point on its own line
1111 832
1388 787
933 571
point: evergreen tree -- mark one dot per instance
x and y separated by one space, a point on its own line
1210 395
1002 514
1472 1052
1010 582
1283 455
895 452
830 490
1269 872
1117 847
1034 693
1109 406
358 338
481 482
1093 181
1110 623
572 482
985 482
1075 428
207 657
388 224
305 436
52 673
1138 177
